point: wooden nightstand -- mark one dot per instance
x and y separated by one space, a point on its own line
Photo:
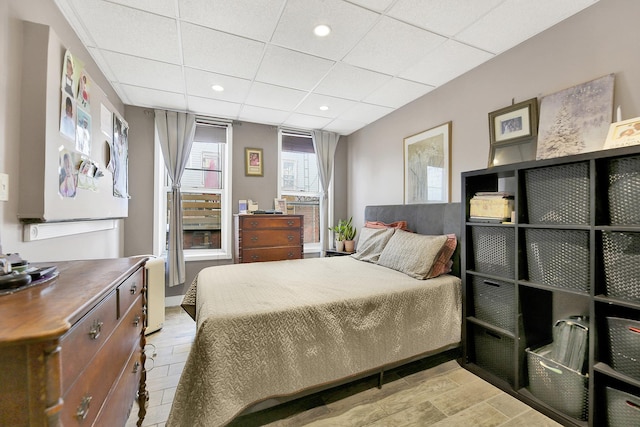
333 252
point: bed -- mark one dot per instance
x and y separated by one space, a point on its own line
271 331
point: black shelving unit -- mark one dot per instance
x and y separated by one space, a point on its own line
573 250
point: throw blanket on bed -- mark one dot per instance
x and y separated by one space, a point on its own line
277 328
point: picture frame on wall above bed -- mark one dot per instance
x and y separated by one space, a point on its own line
512 133
427 166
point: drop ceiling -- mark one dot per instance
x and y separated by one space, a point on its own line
379 56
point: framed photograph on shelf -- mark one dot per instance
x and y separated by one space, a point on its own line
280 205
427 166
623 134
253 162
514 123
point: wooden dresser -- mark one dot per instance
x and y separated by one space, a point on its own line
268 237
71 348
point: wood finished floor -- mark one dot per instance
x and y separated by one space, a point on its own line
435 392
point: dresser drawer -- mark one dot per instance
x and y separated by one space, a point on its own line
120 403
271 254
129 291
270 238
86 396
82 342
269 221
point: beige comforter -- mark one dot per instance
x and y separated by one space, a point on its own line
277 328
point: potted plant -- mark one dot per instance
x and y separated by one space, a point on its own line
349 234
338 234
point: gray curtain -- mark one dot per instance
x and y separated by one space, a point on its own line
175 132
324 143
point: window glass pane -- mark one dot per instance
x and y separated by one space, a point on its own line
309 206
201 213
204 168
299 171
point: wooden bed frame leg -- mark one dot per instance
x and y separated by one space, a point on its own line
380 379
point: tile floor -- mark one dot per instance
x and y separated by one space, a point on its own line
432 392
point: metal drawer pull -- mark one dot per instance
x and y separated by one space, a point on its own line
95 330
290 223
290 255
254 223
134 288
290 237
136 366
136 321
83 408
254 238
255 257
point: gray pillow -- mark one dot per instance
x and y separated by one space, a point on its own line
371 243
412 254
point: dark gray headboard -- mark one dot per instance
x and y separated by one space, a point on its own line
440 218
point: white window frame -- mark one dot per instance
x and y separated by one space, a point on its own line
308 247
226 215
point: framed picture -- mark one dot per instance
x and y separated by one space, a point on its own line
623 134
514 123
253 162
575 120
427 166
280 205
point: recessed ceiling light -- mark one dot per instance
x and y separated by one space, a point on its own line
322 30
217 88
324 107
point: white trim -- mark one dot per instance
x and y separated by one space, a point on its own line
49 230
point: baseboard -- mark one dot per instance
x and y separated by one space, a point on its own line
173 301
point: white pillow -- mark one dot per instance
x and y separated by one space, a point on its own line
371 243
412 254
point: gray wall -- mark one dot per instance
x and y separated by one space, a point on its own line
600 40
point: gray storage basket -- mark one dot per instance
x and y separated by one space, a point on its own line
494 353
556 385
494 302
494 250
623 409
558 194
624 191
558 258
624 342
621 256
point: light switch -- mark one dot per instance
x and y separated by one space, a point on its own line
4 187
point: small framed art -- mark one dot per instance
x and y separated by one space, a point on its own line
253 162
623 134
514 123
427 166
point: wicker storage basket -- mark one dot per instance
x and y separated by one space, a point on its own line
494 302
494 250
624 191
556 385
621 256
623 409
558 194
558 258
494 353
624 343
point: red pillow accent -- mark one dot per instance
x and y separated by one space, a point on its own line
443 263
402 225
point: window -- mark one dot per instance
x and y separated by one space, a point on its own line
205 188
299 183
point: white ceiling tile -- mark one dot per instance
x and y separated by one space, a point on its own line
199 84
220 52
446 62
102 63
392 46
136 71
445 17
312 103
514 21
270 96
304 121
161 7
377 5
248 18
344 127
366 113
348 24
397 92
297 70
131 31
153 98
347 81
213 107
262 115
